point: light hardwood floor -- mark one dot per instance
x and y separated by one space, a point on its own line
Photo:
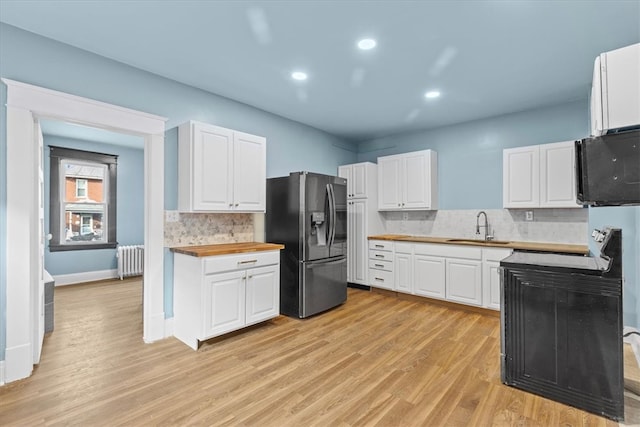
376 360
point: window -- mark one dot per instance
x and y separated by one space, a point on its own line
81 188
83 200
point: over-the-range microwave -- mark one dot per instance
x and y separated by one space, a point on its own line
615 91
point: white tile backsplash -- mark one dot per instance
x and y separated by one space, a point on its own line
207 228
549 225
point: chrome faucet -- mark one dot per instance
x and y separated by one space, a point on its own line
487 235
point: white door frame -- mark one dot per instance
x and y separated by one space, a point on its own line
24 103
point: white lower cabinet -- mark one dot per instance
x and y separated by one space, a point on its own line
429 273
381 264
464 281
491 275
462 274
218 294
403 267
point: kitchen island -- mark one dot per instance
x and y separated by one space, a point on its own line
223 288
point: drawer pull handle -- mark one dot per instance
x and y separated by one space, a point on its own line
379 265
379 246
251 261
379 279
379 256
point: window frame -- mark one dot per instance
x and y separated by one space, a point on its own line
81 187
57 182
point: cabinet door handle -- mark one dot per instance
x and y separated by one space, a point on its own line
379 246
251 276
379 256
379 279
230 205
248 261
236 205
398 204
379 265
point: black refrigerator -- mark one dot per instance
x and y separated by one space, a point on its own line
307 213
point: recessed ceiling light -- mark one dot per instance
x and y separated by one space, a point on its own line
432 94
299 75
366 44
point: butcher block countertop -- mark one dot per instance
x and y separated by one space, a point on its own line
528 246
227 248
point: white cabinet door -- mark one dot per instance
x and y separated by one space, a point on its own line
262 294
249 172
521 177
359 181
224 303
620 87
346 172
358 242
389 176
557 175
429 274
415 185
491 282
403 269
464 281
211 173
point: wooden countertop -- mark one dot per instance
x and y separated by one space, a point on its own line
226 248
529 246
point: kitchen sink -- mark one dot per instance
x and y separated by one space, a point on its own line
478 241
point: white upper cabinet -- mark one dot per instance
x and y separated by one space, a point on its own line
220 170
557 175
408 181
540 176
361 179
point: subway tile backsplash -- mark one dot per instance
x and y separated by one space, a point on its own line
207 228
548 225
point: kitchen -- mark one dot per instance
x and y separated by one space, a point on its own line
470 169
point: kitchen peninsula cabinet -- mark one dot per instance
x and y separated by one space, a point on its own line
408 181
220 170
217 294
540 176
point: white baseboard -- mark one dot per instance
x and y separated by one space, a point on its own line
1 372
18 362
87 276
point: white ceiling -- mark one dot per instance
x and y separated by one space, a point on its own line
487 58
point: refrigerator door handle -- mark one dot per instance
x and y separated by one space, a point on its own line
330 215
333 214
324 263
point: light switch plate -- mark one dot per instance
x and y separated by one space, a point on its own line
171 216
528 216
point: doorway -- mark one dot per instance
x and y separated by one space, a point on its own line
24 104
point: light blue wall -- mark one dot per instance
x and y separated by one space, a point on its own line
628 219
470 154
39 61
130 208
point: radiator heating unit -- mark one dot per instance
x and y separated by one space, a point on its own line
130 260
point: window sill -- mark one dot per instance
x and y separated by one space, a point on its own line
82 247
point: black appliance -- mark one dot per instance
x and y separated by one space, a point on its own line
608 169
561 326
307 213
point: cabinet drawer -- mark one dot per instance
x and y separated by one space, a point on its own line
405 248
381 255
381 278
490 254
381 245
449 251
220 263
380 265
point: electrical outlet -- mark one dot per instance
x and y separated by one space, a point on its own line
528 216
171 216
405 216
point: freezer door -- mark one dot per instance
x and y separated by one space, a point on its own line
324 285
339 220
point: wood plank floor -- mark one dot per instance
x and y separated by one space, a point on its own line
377 360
